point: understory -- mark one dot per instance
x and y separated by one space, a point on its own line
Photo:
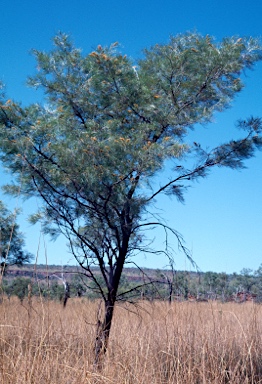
150 343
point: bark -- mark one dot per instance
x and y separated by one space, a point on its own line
66 294
103 332
170 285
104 327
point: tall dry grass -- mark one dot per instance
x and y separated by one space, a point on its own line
155 343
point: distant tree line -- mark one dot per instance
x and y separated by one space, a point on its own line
148 285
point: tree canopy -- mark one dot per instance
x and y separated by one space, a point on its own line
11 240
91 153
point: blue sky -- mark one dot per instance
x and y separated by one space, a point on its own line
221 219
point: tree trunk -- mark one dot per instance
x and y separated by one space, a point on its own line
104 327
170 285
103 332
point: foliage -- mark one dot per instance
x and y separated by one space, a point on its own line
151 285
18 287
246 279
78 286
93 151
11 240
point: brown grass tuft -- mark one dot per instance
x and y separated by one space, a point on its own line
152 343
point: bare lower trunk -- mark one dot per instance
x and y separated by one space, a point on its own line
103 332
170 285
104 327
66 294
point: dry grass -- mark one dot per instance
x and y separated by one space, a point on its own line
183 343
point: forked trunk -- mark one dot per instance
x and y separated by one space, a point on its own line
104 327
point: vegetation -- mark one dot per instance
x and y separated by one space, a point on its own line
11 241
183 343
93 151
151 285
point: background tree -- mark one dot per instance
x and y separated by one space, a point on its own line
246 279
78 286
258 275
223 285
92 152
211 281
11 240
19 288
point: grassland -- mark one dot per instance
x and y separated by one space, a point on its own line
151 343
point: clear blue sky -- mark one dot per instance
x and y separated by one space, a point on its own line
221 219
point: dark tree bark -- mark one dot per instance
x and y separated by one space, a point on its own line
67 293
103 332
104 327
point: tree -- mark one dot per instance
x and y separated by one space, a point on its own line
11 240
223 284
78 287
211 281
258 287
246 279
108 128
19 288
